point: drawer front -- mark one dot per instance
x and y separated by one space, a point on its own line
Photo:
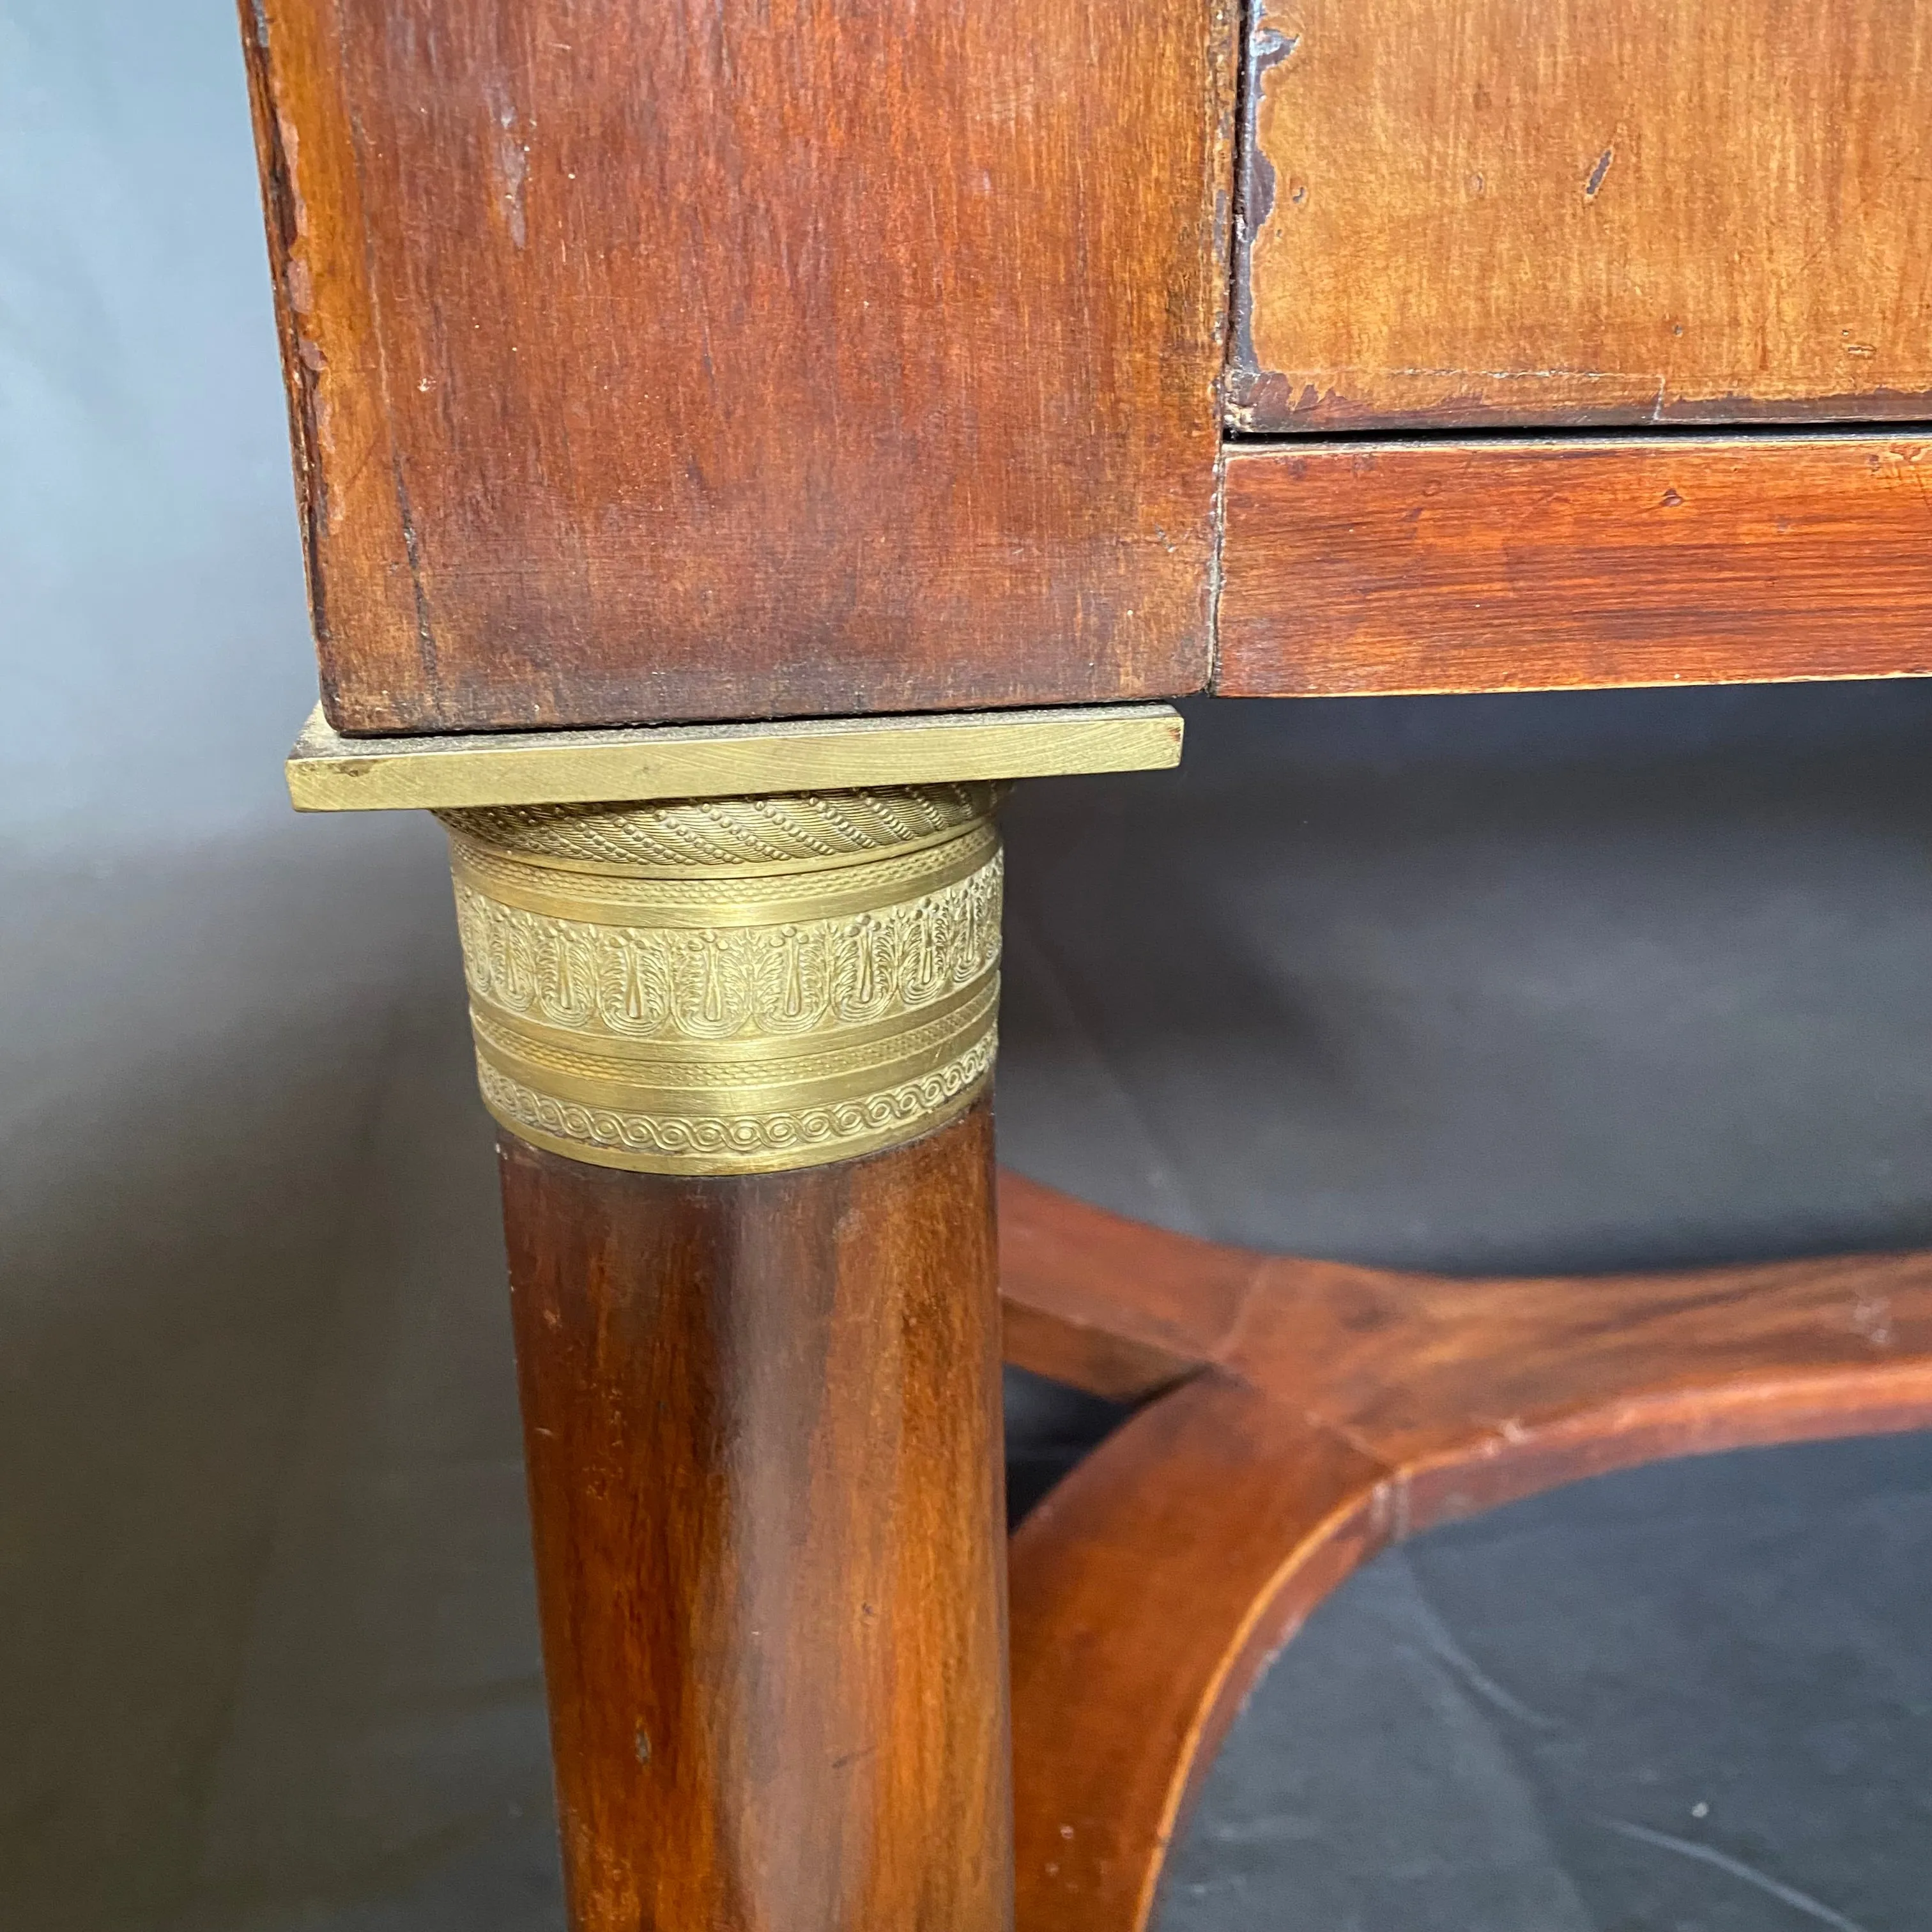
1570 212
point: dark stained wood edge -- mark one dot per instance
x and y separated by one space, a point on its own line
1272 402
281 216
1513 564
1329 1412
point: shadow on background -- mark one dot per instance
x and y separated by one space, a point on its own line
263 1564
1543 983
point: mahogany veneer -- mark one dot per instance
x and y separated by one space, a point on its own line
1495 565
761 1420
696 361
1518 212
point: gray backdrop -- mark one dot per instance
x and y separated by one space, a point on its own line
1545 983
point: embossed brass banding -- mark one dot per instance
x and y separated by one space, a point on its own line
732 985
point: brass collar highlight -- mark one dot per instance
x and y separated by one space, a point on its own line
732 985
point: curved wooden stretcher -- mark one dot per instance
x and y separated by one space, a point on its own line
1296 1417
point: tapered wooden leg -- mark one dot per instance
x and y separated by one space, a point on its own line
741 1050
762 1420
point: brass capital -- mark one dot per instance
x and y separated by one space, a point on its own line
732 985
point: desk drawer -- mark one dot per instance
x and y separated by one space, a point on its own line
1567 212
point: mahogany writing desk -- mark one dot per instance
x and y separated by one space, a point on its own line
736 440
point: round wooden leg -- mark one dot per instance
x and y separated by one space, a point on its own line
762 1420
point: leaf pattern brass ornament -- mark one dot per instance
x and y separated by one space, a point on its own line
713 982
732 985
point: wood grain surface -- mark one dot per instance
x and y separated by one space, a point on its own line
1113 1306
1322 1410
1562 212
762 1423
726 360
1509 564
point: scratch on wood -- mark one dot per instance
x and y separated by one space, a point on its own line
513 162
425 636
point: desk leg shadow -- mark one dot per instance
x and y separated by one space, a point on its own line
1296 1418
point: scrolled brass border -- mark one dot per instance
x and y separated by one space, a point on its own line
732 985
